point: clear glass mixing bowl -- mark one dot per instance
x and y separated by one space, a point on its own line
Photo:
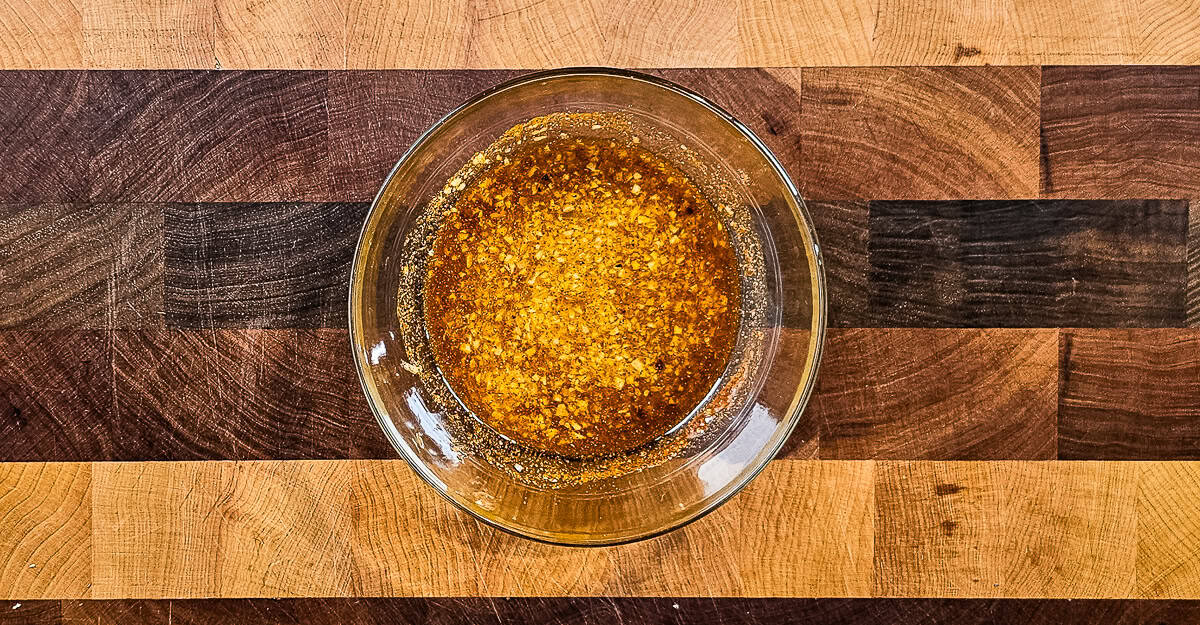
777 354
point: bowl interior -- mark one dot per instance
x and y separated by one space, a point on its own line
779 346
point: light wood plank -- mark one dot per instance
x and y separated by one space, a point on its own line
554 33
148 34
45 530
1005 529
220 529
280 34
1168 515
39 34
1005 32
802 528
822 32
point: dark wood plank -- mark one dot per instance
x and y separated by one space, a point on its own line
598 610
30 613
259 265
1130 395
1120 132
950 394
374 117
1193 263
209 136
44 137
56 400
917 133
242 395
843 234
90 395
81 266
1043 263
766 100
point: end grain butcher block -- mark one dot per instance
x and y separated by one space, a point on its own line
1007 416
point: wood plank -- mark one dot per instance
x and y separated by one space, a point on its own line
220 529
385 35
56 397
35 34
527 34
1020 529
781 33
648 610
407 542
842 230
31 613
228 136
375 116
1028 263
1120 132
270 35
81 266
943 32
40 159
259 265
766 100
805 528
938 394
919 133
45 530
1130 395
1167 32
148 34
1168 516
240 395
1193 263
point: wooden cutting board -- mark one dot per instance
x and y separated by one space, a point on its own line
1007 416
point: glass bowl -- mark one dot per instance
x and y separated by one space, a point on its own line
746 418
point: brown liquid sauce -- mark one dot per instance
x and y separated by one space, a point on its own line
582 296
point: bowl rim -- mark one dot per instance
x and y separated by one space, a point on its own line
816 262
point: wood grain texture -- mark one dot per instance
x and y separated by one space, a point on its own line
341 529
522 33
280 34
259 265
144 34
40 155
40 35
1022 529
766 100
938 394
31 613
56 397
81 266
1193 264
842 228
942 32
375 116
651 611
209 136
239 395
220 529
45 530
778 32
1167 32
1168 556
918 133
1028 263
1140 139
1130 395
406 542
